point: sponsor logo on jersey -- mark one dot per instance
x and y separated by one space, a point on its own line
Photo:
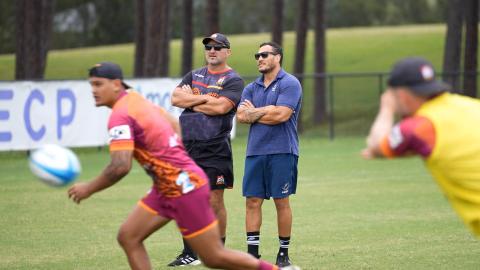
274 87
196 91
121 132
220 180
221 80
198 75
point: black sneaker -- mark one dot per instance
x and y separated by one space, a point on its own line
283 260
185 260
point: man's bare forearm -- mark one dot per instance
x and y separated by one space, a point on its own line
185 100
250 115
255 114
116 170
214 106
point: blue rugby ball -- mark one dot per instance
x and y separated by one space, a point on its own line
54 165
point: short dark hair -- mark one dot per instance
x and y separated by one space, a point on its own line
277 49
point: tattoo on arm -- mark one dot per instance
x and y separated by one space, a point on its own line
118 167
253 115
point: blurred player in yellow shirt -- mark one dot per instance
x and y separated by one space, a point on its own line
443 128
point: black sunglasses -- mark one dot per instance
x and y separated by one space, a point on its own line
216 47
263 55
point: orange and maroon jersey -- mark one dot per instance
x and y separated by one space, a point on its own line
413 135
139 125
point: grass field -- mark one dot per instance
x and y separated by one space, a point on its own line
348 214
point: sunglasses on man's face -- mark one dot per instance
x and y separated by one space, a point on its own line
216 47
263 55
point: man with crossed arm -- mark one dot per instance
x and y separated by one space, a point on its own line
210 96
271 105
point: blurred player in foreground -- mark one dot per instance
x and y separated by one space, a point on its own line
441 127
141 130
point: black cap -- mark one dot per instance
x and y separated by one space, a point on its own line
418 75
107 70
219 38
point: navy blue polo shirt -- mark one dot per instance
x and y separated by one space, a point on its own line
282 138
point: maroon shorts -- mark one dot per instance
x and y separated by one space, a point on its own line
191 211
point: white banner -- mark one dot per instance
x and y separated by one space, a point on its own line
64 112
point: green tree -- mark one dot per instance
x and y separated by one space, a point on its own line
114 22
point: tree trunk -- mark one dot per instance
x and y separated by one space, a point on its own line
187 38
157 41
301 38
301 29
277 21
33 29
164 60
20 39
46 21
320 94
471 48
453 44
140 29
211 12
153 38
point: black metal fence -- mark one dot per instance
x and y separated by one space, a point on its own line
351 101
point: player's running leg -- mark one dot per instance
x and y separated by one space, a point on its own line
213 254
187 257
137 227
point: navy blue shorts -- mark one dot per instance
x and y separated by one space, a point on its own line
270 176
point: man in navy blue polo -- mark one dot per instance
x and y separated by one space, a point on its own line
270 105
